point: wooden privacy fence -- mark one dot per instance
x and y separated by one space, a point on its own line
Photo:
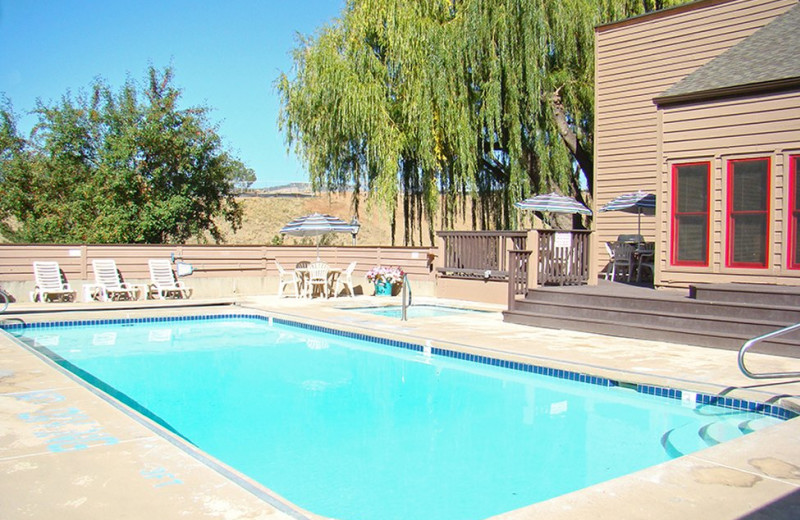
478 254
563 257
207 261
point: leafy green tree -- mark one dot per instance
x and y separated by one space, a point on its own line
441 99
243 177
124 167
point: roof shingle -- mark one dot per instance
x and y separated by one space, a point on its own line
771 54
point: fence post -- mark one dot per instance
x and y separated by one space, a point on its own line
441 260
533 262
592 257
513 259
84 263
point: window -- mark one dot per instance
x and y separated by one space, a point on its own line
794 212
690 212
748 213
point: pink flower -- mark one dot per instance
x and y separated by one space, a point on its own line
392 275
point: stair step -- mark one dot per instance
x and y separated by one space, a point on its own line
668 315
685 306
720 339
632 316
751 294
682 441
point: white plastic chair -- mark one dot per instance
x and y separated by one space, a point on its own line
317 277
345 280
108 282
49 283
610 268
287 278
163 282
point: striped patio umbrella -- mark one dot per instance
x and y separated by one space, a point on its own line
554 203
316 225
639 202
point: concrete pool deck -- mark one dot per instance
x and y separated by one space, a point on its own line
67 452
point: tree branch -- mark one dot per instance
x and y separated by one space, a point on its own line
570 138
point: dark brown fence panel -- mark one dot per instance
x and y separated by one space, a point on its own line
478 254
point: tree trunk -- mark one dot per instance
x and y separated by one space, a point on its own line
582 156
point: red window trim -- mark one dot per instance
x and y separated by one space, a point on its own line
793 263
674 229
729 221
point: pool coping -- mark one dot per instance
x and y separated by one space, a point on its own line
390 336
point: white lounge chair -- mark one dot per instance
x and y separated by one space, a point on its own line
163 283
108 282
287 279
50 285
345 280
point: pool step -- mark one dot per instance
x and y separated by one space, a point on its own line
684 440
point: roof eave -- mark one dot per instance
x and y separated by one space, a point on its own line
763 87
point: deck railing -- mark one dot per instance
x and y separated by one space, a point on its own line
563 257
518 266
478 254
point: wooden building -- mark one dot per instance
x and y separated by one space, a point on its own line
700 105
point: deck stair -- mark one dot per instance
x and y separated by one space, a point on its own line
721 316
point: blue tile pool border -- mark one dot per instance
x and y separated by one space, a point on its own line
656 391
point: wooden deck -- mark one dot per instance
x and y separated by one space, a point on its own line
713 315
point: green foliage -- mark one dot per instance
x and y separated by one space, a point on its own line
441 99
124 167
242 177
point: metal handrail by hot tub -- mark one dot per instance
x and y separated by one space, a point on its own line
750 343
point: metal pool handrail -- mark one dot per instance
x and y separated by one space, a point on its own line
750 343
406 301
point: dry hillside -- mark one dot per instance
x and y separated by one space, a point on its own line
265 216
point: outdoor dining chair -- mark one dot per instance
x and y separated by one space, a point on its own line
645 260
317 277
622 259
345 280
287 279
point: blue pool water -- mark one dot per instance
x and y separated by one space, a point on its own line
414 311
357 430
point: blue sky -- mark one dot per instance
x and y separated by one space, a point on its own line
225 55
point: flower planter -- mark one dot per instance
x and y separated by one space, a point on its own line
383 289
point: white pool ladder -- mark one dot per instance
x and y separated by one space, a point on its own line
765 375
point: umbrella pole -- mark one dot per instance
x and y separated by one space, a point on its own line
639 232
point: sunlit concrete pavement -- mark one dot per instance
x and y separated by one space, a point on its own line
66 452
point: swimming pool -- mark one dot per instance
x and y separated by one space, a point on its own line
351 428
414 311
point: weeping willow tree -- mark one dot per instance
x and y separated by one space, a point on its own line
449 101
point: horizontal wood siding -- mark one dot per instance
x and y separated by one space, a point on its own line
757 126
636 61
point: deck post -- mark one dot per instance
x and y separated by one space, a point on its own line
532 244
